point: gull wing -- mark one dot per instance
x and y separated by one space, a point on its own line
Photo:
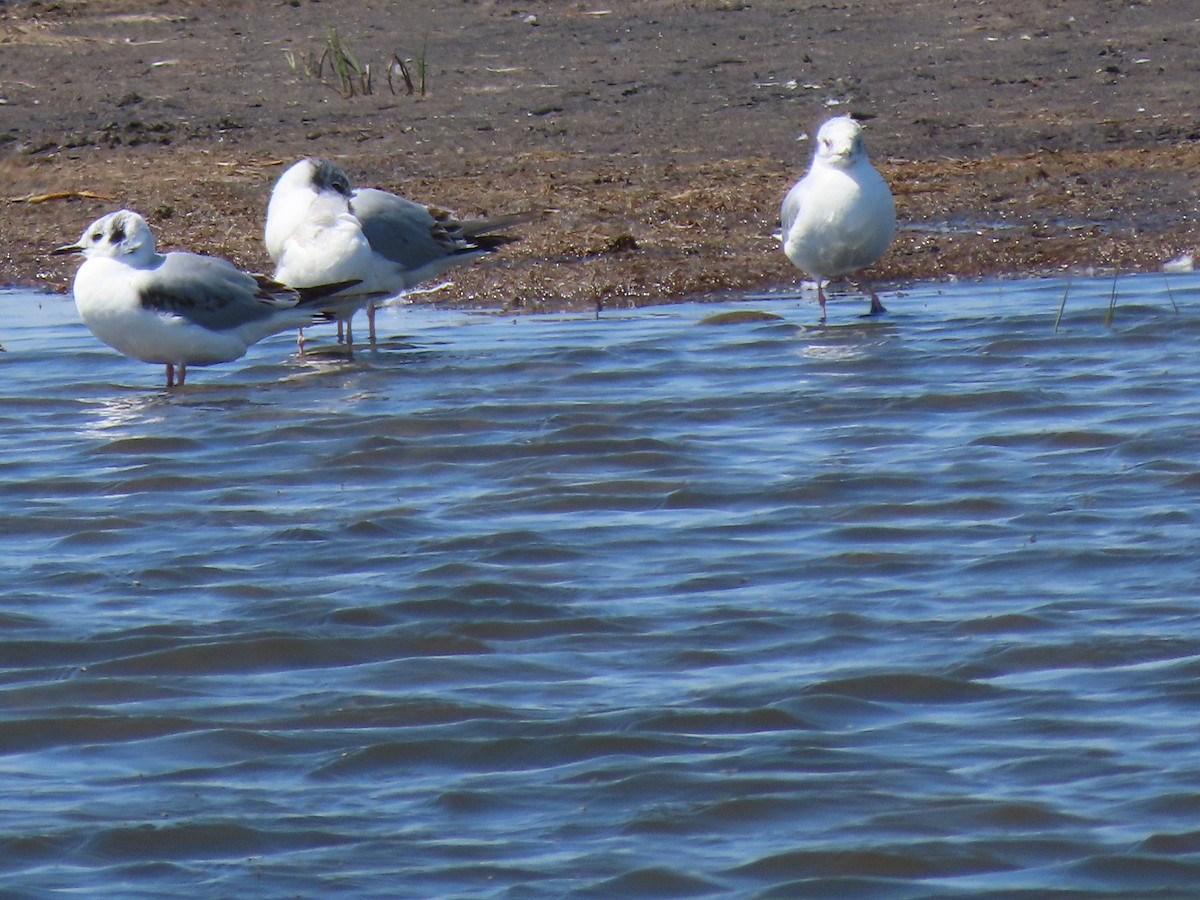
791 207
406 233
211 292
414 235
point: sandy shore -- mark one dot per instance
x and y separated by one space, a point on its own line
661 135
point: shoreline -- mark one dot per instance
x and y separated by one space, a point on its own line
660 142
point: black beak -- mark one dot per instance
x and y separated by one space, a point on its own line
65 249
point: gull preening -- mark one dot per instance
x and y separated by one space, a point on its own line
179 309
321 229
839 217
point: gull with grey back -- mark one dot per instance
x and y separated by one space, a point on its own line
320 228
179 309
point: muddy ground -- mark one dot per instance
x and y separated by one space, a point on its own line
660 135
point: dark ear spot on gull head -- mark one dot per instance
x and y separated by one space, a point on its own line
328 176
127 231
121 233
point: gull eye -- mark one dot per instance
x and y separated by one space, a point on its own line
95 236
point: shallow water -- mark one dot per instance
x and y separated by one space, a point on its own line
629 607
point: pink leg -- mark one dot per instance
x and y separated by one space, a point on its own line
170 375
371 323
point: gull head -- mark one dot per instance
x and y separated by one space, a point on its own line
329 177
314 174
840 143
122 235
294 199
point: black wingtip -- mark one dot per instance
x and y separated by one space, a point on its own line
321 291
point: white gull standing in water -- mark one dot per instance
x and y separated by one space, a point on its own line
178 309
321 229
839 217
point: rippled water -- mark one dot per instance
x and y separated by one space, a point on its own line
628 607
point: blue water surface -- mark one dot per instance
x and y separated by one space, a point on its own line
643 605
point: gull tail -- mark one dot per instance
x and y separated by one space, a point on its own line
472 228
486 233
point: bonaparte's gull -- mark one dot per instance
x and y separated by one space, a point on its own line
179 309
320 229
840 216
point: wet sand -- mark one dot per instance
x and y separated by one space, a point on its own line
659 137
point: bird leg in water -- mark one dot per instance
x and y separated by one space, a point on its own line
371 323
300 342
171 380
821 300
